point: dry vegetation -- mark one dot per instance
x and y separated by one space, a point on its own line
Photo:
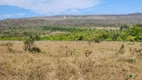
68 61
80 53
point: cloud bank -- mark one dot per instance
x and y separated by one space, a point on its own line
52 7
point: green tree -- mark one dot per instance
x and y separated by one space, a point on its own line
124 27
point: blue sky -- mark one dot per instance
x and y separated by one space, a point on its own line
30 8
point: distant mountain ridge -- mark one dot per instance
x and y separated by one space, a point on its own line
136 14
75 20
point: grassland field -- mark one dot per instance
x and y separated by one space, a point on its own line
67 60
71 53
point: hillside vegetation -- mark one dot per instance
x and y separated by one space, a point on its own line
76 21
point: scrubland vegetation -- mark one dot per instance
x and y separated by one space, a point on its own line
52 33
71 53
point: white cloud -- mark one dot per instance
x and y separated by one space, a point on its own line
52 6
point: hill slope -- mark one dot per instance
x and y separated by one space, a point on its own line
71 20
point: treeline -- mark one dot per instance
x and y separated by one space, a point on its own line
126 33
63 29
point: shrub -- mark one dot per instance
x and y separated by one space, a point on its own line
80 38
29 44
109 39
119 39
90 40
124 27
10 49
139 25
121 50
35 49
130 38
97 40
88 52
131 60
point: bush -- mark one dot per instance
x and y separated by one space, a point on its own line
35 49
10 49
97 40
80 38
121 50
109 39
29 44
119 39
130 38
124 27
88 52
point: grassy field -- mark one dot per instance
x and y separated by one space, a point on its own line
71 53
71 60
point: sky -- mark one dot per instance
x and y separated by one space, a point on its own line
32 8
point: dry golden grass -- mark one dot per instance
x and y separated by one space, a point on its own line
67 61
